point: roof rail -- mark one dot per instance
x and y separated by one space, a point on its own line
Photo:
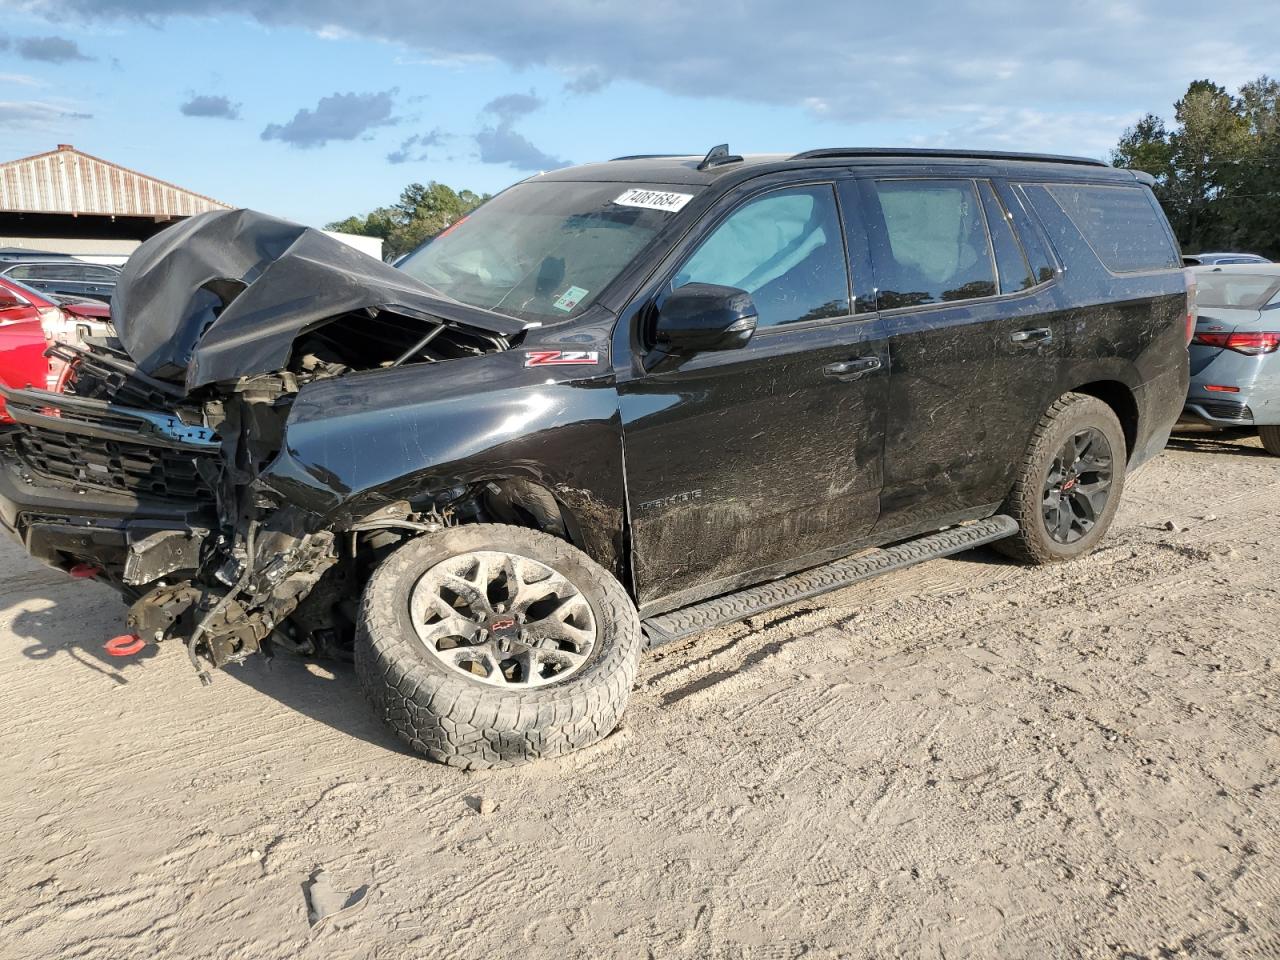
836 153
650 156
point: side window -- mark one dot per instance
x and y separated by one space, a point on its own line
1033 242
785 249
1123 225
933 247
20 273
1011 262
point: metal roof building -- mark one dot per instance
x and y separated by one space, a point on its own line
72 202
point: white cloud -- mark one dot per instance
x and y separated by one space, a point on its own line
38 114
921 60
342 116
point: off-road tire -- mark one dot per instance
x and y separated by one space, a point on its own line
1069 413
1270 437
470 724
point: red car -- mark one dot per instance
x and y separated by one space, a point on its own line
30 321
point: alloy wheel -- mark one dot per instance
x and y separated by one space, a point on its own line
1077 486
503 619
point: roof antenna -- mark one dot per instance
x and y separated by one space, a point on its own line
718 155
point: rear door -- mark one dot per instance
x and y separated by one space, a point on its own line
743 464
974 336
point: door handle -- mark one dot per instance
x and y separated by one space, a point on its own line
1032 337
847 370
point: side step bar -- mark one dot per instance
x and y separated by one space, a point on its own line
696 618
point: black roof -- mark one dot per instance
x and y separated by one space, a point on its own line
692 169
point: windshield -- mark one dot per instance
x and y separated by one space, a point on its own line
545 250
1246 291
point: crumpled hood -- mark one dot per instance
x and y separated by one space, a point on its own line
224 294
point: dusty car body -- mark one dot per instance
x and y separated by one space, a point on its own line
281 416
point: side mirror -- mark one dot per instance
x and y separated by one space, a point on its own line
704 316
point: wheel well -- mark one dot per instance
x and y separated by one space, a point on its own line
524 503
1122 403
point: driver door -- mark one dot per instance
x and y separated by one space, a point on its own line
749 463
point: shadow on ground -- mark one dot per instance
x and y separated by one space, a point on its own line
53 615
1208 440
324 690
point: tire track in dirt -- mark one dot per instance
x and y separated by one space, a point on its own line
965 759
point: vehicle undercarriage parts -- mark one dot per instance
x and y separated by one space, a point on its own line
158 553
164 611
225 294
476 721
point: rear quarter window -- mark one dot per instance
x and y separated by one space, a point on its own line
1123 225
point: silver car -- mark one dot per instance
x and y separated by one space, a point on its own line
1235 370
1219 259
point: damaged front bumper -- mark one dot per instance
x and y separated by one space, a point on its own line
132 497
82 482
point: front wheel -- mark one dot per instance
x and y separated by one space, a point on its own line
1069 482
490 645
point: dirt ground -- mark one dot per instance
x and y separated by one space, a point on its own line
965 759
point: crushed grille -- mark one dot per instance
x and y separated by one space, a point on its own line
135 468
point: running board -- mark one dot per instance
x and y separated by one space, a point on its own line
732 607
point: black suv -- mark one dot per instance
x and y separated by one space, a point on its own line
616 405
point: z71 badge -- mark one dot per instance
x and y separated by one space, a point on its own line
560 358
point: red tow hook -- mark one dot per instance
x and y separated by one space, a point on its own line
85 571
125 645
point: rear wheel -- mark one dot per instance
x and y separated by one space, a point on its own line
1069 482
491 645
1270 437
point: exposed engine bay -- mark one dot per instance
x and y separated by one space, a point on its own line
184 412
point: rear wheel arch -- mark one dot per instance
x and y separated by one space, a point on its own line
1119 397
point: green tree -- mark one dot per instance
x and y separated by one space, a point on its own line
1211 139
1145 146
1255 211
1217 169
421 212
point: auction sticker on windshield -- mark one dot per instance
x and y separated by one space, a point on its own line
570 299
654 199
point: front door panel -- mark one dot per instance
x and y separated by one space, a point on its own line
743 460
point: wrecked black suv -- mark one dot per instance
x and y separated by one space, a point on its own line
617 405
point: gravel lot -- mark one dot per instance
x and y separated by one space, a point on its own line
966 759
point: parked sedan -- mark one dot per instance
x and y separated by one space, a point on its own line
65 277
1235 372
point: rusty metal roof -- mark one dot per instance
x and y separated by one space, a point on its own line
66 180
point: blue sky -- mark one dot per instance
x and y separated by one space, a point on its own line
297 107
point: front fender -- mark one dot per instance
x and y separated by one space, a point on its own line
355 443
